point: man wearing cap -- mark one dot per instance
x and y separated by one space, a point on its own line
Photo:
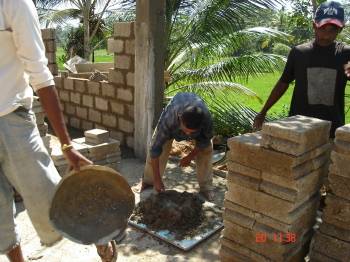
320 69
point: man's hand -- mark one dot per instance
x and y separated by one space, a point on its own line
347 69
158 185
186 161
75 159
258 121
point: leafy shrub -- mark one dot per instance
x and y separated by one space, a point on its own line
280 49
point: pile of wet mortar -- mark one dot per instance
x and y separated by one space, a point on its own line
183 214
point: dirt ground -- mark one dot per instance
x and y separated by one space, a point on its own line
138 245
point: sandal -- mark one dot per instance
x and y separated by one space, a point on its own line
104 252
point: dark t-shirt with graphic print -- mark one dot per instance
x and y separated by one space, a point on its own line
319 81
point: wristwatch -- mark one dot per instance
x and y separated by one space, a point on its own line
66 147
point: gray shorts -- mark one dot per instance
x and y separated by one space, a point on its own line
26 165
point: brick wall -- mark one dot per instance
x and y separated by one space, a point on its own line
108 104
49 36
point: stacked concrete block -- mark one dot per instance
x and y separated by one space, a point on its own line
123 46
40 116
96 136
332 240
273 192
102 149
96 145
58 158
49 39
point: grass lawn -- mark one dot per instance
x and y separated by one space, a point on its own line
100 56
263 85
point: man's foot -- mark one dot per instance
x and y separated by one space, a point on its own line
107 253
208 195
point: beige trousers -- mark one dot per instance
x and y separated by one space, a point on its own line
204 167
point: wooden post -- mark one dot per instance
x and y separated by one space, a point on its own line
149 70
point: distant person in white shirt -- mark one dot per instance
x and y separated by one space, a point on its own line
24 162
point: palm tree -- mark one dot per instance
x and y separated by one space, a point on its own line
206 54
90 12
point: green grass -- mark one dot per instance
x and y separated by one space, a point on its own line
262 86
100 56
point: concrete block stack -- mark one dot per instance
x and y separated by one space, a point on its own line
48 36
96 145
40 116
332 240
273 190
58 158
103 150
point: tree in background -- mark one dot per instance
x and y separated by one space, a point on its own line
206 54
90 13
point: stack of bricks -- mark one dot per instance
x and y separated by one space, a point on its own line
102 149
40 122
48 36
332 240
96 145
123 46
40 116
122 76
273 190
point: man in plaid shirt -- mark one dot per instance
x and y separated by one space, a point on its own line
186 117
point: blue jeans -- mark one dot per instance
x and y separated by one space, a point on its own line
26 165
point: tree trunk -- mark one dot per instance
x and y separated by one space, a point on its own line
86 24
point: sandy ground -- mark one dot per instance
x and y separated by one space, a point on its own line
138 245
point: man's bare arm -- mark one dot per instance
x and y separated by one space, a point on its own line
279 89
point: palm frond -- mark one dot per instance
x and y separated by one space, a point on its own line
232 44
212 19
60 16
265 31
47 3
231 118
232 68
215 88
